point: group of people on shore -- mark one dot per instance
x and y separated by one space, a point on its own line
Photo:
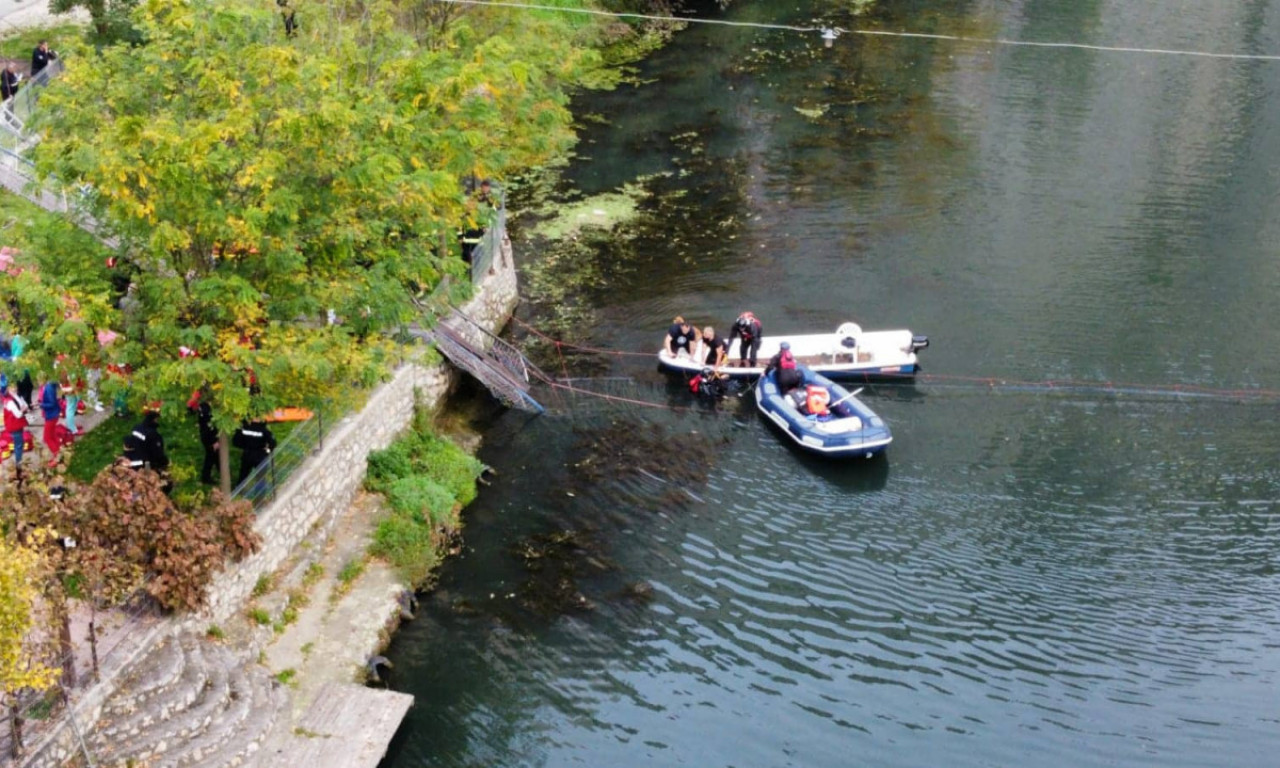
59 405
143 446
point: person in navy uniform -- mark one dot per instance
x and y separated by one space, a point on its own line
144 447
41 57
256 443
746 329
680 336
8 82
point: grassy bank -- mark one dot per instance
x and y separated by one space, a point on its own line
426 481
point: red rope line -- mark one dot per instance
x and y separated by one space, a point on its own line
577 347
989 381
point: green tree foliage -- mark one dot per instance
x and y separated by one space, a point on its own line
257 181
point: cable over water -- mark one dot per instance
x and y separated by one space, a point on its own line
830 32
926 382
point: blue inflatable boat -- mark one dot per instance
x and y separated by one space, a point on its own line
847 428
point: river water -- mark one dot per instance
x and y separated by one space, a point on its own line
1050 576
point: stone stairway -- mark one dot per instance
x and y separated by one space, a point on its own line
191 703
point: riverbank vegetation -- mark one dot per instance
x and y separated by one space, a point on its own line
279 203
426 481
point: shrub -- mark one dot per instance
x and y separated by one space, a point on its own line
422 499
447 464
407 543
387 465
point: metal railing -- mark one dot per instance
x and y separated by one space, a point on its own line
305 441
16 110
491 242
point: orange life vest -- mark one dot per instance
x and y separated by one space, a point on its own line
816 399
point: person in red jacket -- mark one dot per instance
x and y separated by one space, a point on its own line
15 419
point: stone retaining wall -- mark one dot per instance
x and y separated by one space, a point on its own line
324 487
315 495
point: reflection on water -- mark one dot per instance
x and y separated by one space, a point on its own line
1030 578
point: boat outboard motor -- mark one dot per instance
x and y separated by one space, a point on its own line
919 342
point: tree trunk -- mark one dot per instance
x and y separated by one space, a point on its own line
65 649
224 462
93 641
15 730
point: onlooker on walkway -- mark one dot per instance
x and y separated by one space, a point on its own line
15 419
8 82
51 408
41 57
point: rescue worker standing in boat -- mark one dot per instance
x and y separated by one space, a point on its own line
789 377
680 336
746 329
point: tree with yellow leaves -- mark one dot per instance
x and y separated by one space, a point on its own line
20 667
261 183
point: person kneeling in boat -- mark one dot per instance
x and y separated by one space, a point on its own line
789 377
680 337
707 384
715 349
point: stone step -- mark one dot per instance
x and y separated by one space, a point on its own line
138 715
184 724
151 675
268 710
269 751
232 729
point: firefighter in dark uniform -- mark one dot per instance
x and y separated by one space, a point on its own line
144 445
256 442
208 440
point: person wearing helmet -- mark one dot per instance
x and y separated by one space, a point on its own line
707 384
746 329
789 376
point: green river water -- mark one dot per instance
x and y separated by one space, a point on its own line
1035 576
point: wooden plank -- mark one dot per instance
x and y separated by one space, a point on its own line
348 726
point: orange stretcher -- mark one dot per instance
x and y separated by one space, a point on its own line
288 414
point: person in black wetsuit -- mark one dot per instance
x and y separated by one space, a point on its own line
716 348
680 336
789 376
746 329
707 384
